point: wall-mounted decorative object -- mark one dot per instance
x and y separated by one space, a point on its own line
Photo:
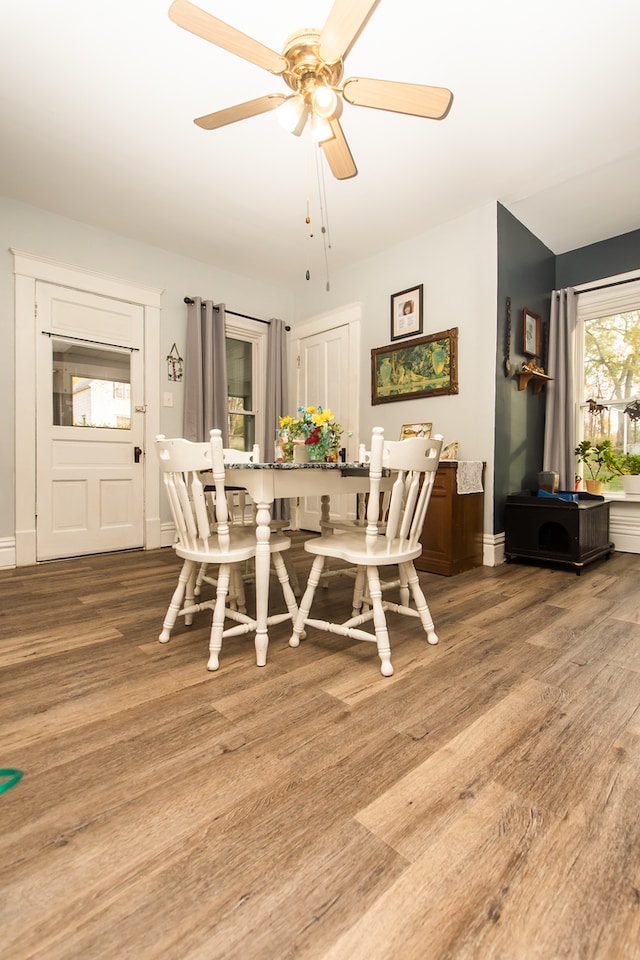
427 367
406 313
174 365
415 430
530 371
531 333
507 341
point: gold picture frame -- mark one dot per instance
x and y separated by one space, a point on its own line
427 367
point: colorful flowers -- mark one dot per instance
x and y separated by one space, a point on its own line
318 428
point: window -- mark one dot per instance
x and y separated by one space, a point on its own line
609 337
246 358
91 386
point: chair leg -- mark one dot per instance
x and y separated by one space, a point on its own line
200 579
293 577
237 579
189 597
405 593
379 621
420 601
217 626
358 592
176 602
282 571
307 600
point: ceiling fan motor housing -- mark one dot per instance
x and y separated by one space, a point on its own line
306 69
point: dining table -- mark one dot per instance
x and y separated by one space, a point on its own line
267 482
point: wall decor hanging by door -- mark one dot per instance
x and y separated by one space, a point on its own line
427 367
174 365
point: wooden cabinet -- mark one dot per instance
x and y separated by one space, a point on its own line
452 535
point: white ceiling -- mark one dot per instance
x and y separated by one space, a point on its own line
97 101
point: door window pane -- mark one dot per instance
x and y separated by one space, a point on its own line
91 386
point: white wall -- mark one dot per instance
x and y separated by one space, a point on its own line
457 264
44 234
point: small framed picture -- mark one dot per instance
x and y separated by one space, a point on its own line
415 430
406 313
531 333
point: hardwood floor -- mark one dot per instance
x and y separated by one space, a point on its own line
481 803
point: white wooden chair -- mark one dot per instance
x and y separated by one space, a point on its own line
205 535
242 512
413 464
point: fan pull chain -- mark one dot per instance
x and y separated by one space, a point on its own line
322 193
307 219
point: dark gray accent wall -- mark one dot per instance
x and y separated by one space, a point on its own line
604 259
526 273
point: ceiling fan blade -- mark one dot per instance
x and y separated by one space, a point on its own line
204 25
346 21
241 111
412 98
338 154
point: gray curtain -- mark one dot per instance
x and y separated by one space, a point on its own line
205 372
276 402
559 433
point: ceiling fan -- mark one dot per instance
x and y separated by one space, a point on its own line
312 66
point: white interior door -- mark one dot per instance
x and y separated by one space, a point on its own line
327 375
90 423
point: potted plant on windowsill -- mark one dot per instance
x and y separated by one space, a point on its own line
627 466
595 457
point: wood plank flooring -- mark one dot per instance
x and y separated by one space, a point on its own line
482 803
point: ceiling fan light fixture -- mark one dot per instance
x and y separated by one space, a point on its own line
292 114
324 102
320 129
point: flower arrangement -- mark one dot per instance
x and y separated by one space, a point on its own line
317 428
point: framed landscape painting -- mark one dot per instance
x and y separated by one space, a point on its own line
427 367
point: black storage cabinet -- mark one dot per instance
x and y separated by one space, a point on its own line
555 530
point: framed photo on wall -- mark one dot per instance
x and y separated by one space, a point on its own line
406 313
531 333
427 367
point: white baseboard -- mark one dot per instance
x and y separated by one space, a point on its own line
167 534
7 552
624 524
492 549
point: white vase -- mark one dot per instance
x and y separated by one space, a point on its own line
631 485
300 452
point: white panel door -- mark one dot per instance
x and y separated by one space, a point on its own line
325 370
89 439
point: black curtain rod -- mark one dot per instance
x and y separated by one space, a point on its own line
233 313
604 286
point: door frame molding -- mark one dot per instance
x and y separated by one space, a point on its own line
28 270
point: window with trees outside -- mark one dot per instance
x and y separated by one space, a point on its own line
609 338
246 370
